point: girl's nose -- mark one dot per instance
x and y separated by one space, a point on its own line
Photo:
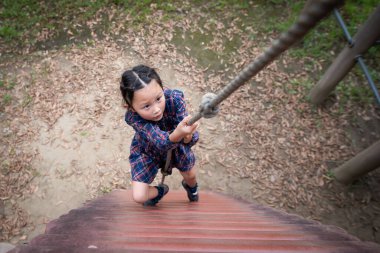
156 110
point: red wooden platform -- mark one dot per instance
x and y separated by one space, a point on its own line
218 223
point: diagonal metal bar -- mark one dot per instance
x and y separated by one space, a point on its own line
369 78
359 58
344 27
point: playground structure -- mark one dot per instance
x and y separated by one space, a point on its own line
75 239
114 223
367 36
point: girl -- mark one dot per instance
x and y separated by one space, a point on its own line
159 117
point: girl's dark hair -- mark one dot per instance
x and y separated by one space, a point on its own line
137 78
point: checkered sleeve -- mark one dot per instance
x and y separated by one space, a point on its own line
181 113
158 138
151 133
179 109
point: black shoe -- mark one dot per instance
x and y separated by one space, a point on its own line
192 192
163 189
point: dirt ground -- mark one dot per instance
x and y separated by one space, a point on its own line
267 145
81 142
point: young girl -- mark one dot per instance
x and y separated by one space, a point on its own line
159 117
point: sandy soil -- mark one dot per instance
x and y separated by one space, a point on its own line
82 155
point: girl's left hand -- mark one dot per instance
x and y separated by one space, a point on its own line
183 130
187 138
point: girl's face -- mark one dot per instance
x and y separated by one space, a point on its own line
149 102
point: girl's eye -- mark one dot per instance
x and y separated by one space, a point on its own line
159 99
146 107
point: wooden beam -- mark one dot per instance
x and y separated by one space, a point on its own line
361 164
367 35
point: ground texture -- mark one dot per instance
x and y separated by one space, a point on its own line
64 139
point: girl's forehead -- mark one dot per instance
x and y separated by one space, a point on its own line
151 91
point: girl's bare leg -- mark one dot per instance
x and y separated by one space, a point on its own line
142 192
190 177
190 184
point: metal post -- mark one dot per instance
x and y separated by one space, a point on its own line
344 27
369 78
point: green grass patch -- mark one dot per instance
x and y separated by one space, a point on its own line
351 91
27 18
140 10
7 85
327 35
24 21
222 4
105 189
8 33
326 40
11 85
7 99
330 175
84 134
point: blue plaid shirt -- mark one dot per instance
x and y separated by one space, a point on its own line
151 141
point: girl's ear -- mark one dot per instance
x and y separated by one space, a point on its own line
124 104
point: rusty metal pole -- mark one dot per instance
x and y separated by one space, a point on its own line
362 163
367 35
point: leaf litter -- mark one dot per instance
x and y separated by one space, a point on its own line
263 133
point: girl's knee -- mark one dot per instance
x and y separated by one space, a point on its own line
140 192
190 175
139 196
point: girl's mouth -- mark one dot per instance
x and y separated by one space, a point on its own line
156 118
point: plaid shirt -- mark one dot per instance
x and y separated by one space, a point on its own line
151 141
